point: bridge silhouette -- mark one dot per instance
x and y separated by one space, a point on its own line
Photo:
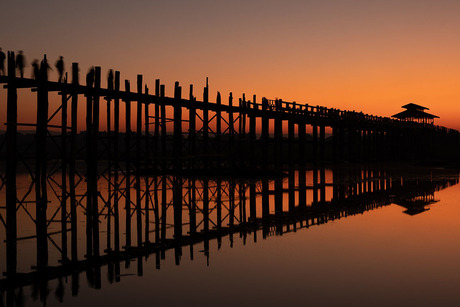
181 153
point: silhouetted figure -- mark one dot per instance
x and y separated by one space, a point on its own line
20 63
60 68
110 80
90 77
2 62
35 69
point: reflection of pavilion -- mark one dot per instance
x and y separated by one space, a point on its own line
416 204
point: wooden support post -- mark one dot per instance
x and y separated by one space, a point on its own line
164 135
128 165
265 131
108 99
205 128
116 111
138 163
302 163
315 142
322 145
335 143
73 158
231 131
177 138
156 133
192 129
218 138
64 174
89 164
252 136
147 156
11 164
278 148
146 178
95 208
41 166
291 137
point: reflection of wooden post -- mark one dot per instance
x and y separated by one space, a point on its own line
11 161
291 179
73 153
265 206
192 200
163 211
231 209
156 210
206 218
252 202
322 185
315 184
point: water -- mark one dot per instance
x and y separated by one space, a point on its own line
345 243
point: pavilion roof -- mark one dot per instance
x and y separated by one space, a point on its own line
413 106
414 113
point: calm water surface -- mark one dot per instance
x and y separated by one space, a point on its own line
359 249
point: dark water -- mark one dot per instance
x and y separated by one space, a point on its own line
349 236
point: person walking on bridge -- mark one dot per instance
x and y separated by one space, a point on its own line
60 68
2 62
20 63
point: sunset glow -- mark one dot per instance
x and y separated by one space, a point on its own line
368 56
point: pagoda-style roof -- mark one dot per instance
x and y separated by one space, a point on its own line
416 113
413 106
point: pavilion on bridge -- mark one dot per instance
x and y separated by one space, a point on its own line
415 113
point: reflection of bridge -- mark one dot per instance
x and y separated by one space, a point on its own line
171 213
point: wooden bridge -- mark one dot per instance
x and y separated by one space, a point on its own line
174 135
187 133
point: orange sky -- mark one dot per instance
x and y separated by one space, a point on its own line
370 56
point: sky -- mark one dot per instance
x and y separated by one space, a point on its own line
370 56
